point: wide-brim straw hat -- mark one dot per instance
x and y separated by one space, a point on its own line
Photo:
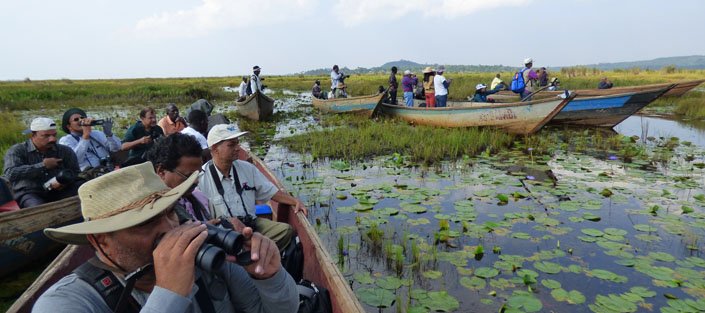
119 200
427 70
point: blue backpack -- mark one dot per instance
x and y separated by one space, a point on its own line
518 83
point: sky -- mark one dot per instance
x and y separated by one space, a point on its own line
104 39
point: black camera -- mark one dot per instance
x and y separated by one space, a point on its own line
211 255
248 220
93 123
65 177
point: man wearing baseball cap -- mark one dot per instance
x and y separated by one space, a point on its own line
39 169
233 186
144 260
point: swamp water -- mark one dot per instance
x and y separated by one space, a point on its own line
566 232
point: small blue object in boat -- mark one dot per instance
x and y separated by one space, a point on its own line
263 209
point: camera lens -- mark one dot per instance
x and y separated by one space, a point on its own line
209 257
230 240
65 177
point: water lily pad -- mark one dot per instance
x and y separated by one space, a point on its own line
645 228
572 297
592 232
550 283
440 301
607 275
432 274
473 283
522 301
364 278
418 221
389 283
662 256
486 272
548 267
376 297
414 208
642 292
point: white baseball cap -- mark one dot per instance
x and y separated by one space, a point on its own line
407 72
223 132
528 60
42 123
480 86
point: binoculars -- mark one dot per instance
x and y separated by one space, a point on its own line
211 255
93 123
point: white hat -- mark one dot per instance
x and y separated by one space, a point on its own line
42 123
407 72
222 132
119 200
480 86
528 60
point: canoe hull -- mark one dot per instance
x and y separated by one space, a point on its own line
364 104
318 265
606 111
678 90
256 107
518 118
21 238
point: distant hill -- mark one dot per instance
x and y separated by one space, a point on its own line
685 62
403 65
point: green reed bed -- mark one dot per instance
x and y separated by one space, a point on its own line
10 133
356 138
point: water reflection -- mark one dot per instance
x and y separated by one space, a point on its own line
693 131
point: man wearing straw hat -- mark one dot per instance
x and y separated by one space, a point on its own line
131 224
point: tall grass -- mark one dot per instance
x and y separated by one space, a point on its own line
10 133
357 138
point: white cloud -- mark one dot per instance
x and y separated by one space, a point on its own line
214 15
354 12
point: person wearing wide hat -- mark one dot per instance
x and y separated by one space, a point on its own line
39 170
92 147
130 222
429 92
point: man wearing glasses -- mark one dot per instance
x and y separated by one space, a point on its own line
92 147
175 158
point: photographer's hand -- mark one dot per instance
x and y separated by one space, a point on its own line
108 127
86 127
51 163
145 140
174 257
264 254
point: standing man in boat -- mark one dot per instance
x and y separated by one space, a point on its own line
408 83
143 254
393 85
172 122
92 147
40 170
441 85
335 77
234 186
530 77
429 91
256 81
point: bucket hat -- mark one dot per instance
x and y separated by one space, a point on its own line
119 200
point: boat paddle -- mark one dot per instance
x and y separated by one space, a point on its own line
533 93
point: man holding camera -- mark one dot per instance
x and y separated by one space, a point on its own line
146 261
40 170
140 136
92 147
233 187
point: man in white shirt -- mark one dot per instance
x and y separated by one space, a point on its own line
233 187
243 89
92 147
198 126
255 80
335 76
441 85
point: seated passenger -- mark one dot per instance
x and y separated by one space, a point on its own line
92 147
604 83
481 93
198 129
140 136
316 90
40 170
132 226
243 89
172 122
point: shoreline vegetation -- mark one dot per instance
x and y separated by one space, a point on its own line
25 96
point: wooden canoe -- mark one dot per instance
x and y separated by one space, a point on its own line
679 88
608 110
319 267
516 117
363 104
21 238
256 106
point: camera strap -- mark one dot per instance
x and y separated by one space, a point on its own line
221 191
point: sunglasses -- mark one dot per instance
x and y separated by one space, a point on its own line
184 176
78 119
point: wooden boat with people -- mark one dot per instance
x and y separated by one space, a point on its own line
607 110
516 117
678 89
318 264
257 106
22 241
363 104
